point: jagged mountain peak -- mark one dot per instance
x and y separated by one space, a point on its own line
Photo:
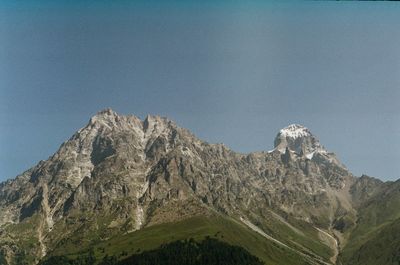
155 120
299 139
136 173
109 120
107 115
295 131
104 117
109 133
106 111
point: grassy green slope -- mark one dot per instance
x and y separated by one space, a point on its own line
383 247
224 229
377 219
297 234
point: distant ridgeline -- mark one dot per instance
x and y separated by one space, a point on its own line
189 252
122 190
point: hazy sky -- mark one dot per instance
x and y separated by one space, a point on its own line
229 72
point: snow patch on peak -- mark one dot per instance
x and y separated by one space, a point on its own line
298 139
295 131
310 156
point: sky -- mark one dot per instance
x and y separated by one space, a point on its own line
230 72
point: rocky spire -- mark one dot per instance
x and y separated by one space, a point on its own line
299 139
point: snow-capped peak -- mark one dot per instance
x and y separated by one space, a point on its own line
298 139
295 131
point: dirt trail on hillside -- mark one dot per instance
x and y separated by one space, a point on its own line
333 244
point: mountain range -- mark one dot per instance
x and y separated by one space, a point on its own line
123 187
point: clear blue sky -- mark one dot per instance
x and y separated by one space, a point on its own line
229 72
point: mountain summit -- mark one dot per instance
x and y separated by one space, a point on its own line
125 184
298 139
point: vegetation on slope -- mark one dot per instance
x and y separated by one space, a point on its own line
382 248
376 236
207 252
149 238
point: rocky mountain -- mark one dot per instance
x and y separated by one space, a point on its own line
123 185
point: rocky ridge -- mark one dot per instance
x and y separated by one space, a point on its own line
120 174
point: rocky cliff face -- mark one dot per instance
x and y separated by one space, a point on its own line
120 174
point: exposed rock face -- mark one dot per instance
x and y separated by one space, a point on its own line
130 173
298 139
